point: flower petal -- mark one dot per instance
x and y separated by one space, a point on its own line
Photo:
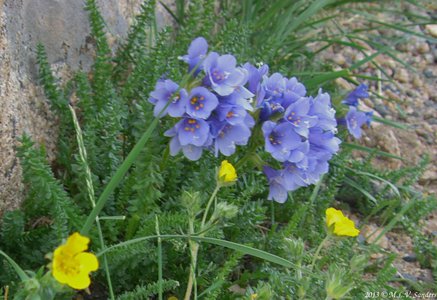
88 261
76 243
80 281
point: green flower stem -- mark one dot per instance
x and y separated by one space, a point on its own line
223 243
127 163
316 255
159 259
90 191
194 246
211 199
118 176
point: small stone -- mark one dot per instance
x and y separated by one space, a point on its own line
339 59
428 73
428 175
392 95
431 29
417 82
402 76
410 257
429 58
409 277
423 48
371 233
382 109
344 84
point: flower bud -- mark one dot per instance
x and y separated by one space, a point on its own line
225 211
227 173
295 247
337 284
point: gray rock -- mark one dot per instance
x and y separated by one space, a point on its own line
410 257
62 26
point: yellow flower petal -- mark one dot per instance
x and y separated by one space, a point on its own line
333 215
71 265
227 172
340 225
88 261
80 281
346 227
58 274
77 243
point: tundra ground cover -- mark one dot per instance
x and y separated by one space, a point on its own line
191 225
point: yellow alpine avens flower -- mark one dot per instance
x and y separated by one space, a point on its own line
227 173
340 225
71 264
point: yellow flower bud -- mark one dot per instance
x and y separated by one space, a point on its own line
340 225
227 173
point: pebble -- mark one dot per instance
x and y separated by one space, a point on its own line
428 73
339 59
432 29
423 48
417 82
409 277
382 109
402 75
392 95
371 233
410 257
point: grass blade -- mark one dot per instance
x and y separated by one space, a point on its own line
370 150
363 191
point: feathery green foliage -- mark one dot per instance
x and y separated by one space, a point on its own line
111 102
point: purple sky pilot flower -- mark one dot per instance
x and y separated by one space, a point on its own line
201 103
354 120
322 109
280 139
275 85
294 177
228 136
164 92
277 191
359 92
297 114
222 74
293 91
196 52
233 114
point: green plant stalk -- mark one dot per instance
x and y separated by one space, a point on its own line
90 190
194 246
159 259
223 243
127 163
211 199
118 176
316 254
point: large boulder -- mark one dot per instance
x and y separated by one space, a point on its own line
62 27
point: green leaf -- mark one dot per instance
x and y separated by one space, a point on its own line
370 150
227 244
20 272
363 191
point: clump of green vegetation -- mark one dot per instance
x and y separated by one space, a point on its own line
162 225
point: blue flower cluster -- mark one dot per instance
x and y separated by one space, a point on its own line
217 114
355 119
302 137
213 115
